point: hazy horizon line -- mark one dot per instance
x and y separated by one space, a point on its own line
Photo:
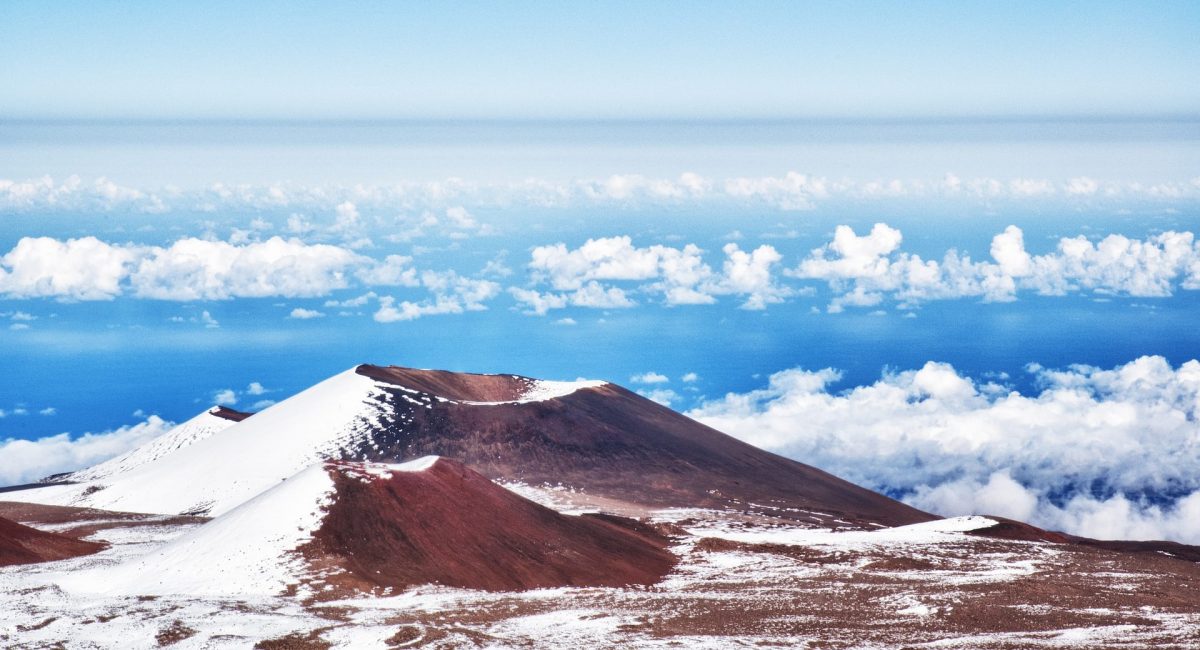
998 118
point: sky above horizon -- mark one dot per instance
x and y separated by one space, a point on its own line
229 204
536 60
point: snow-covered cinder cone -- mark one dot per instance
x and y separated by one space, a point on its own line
595 437
358 526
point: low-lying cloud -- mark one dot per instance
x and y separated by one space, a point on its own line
859 271
864 270
791 190
1109 453
188 269
680 276
24 461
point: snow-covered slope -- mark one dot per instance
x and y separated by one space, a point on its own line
245 551
209 464
214 475
198 428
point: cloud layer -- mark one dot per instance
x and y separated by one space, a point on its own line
790 191
1109 453
24 461
679 276
188 269
864 270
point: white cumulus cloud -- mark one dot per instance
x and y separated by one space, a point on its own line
864 270
585 276
23 461
188 269
75 269
451 293
1073 456
197 269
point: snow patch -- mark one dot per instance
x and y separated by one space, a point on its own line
369 471
930 532
419 465
541 390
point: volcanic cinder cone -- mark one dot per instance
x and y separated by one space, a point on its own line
447 524
592 436
606 441
358 526
20 544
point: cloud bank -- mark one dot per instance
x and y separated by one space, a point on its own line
188 269
864 270
677 276
24 461
1108 453
792 190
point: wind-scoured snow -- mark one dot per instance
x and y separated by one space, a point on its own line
214 475
541 390
419 465
194 430
371 471
245 551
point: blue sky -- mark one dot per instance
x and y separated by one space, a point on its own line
959 264
607 59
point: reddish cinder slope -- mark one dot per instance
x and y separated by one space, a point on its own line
452 385
20 544
1016 530
227 413
607 441
448 525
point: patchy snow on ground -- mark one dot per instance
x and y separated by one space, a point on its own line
371 471
565 500
541 390
742 580
930 532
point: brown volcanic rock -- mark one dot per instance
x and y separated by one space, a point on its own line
1020 531
226 413
449 525
609 442
461 386
1015 530
20 544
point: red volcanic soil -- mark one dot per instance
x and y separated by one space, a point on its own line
20 544
1012 529
1016 530
462 386
229 414
449 525
609 442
